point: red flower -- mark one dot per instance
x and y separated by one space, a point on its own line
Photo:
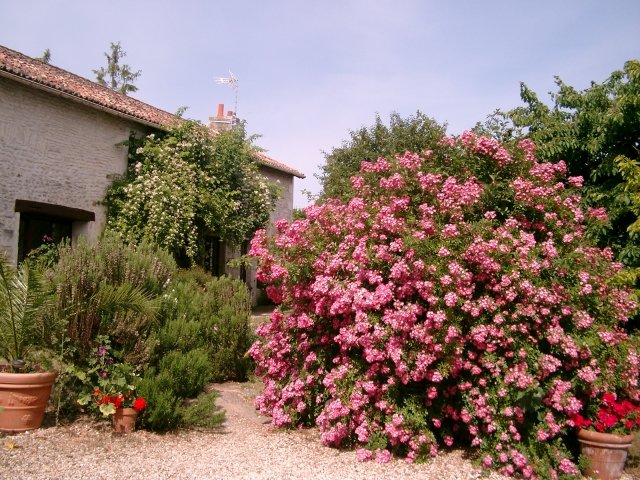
608 419
608 398
140 404
580 421
117 401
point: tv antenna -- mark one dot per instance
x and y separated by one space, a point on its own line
232 81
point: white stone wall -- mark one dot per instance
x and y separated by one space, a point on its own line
283 209
58 151
284 205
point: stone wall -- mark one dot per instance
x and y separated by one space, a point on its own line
57 151
284 204
283 209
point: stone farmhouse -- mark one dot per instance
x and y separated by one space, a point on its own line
60 146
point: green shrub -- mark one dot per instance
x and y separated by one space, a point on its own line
202 412
229 292
212 315
195 274
177 335
189 371
110 288
232 339
163 410
166 410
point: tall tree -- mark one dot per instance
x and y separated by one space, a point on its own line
414 133
116 76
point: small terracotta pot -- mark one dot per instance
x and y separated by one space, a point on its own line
24 398
124 420
606 453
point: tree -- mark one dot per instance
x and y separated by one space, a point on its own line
118 77
45 57
594 131
187 184
414 133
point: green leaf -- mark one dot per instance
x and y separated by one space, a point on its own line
107 409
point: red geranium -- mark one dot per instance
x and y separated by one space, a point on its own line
109 403
140 404
612 416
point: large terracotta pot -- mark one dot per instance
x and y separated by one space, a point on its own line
606 453
24 398
124 420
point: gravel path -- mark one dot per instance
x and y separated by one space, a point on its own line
244 448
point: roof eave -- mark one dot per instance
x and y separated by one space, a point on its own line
292 172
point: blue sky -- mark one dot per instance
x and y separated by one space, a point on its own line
311 71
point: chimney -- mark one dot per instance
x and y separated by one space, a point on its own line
220 122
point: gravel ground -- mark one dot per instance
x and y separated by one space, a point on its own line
244 448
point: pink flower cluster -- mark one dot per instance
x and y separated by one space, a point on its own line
429 312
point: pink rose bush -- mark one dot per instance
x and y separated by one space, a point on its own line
455 300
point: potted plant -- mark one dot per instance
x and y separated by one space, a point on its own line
606 435
24 388
112 391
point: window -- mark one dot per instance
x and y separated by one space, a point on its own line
35 231
44 222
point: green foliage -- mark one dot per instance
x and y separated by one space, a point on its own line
163 406
202 337
212 315
45 256
202 412
45 57
182 330
23 302
166 411
187 184
630 171
189 372
414 133
233 340
596 132
118 77
297 214
111 289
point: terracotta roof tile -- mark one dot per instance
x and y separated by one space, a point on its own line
270 162
16 64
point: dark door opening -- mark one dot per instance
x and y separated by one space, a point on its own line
214 256
37 230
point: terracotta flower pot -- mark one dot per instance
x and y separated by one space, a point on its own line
606 453
24 398
124 420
